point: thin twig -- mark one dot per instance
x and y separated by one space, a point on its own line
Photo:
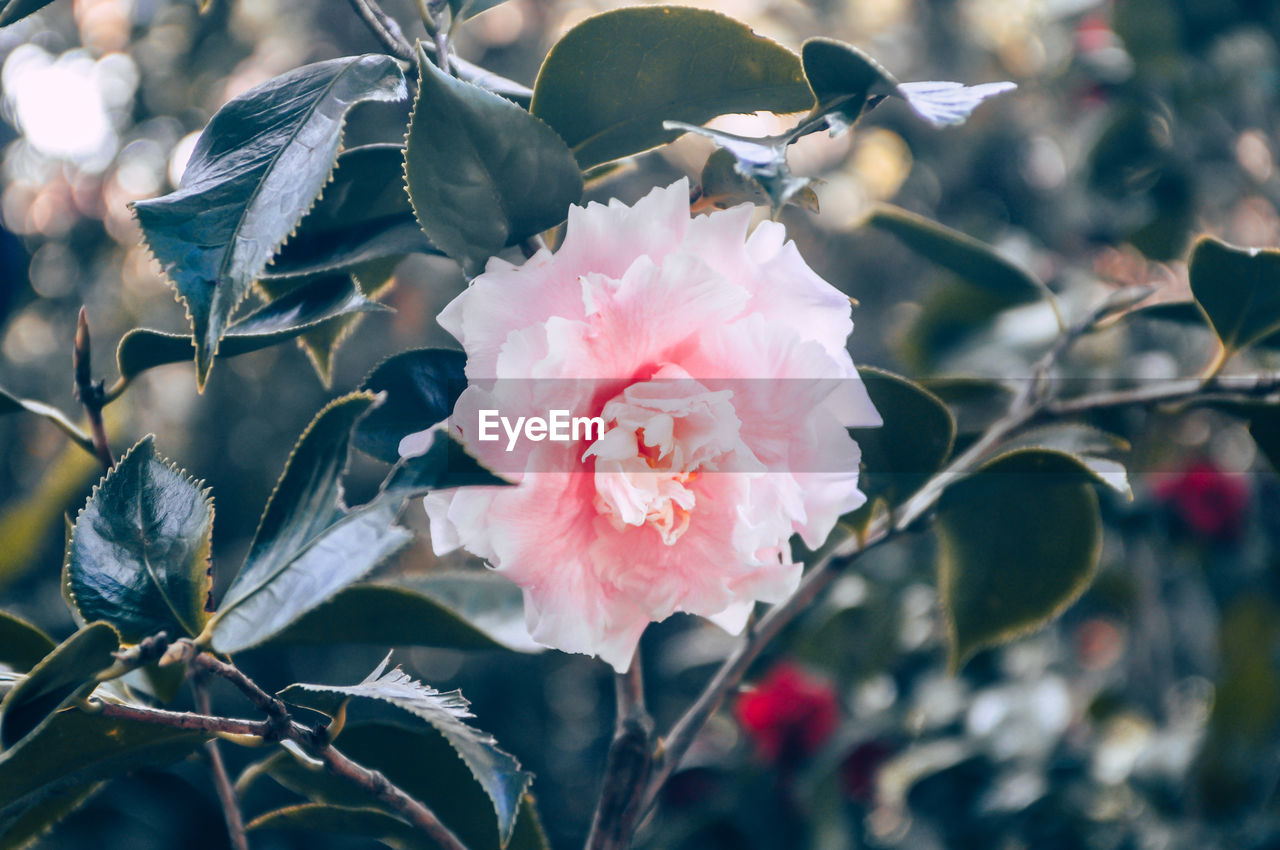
385 29
627 767
89 392
440 33
221 780
281 726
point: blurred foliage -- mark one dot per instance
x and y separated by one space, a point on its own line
1147 716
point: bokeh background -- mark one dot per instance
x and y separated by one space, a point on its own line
1145 718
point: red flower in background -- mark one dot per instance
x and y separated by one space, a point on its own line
1210 501
790 714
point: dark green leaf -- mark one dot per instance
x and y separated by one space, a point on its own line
974 402
12 11
445 464
65 674
307 548
313 305
255 171
1019 541
60 763
447 788
456 610
13 404
328 819
914 441
19 829
1084 443
1188 313
498 772
139 553
975 262
608 85
1239 291
421 388
363 215
482 172
845 80
22 645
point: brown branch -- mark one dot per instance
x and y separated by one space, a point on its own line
627 767
385 29
1032 404
221 780
279 726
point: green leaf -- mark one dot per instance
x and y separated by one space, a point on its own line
455 610
421 387
974 402
256 169
320 341
482 172
139 553
914 441
1084 443
498 772
1019 541
19 829
328 819
363 215
60 764
1239 291
22 645
973 261
65 674
307 547
608 85
1188 313
314 305
12 11
447 788
444 465
845 81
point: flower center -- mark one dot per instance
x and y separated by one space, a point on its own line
662 435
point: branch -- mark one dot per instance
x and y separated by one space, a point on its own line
89 392
1032 403
627 767
385 29
279 726
221 781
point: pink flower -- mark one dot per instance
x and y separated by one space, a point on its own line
714 363
790 714
1212 503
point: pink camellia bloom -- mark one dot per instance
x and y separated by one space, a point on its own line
712 366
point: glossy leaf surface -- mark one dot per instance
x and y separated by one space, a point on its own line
454 610
497 771
608 85
307 307
256 169
138 557
421 387
66 673
1019 541
1239 291
482 172
307 547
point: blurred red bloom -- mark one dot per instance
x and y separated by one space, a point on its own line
1210 501
790 714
